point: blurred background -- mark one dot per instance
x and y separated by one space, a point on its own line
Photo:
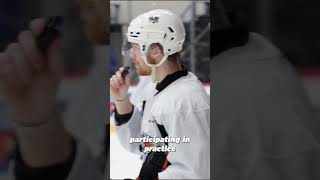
293 26
76 88
196 58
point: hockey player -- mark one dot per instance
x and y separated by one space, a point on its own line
175 104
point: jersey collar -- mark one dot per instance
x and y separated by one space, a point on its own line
170 79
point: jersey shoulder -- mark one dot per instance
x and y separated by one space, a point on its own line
187 94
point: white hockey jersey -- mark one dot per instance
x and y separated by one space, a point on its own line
183 108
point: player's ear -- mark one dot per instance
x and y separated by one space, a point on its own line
155 50
158 52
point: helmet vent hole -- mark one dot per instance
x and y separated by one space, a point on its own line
171 29
172 38
165 35
138 33
169 50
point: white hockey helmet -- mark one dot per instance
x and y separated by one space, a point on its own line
157 26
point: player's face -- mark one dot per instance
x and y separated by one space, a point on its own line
141 68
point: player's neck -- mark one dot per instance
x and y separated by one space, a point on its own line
166 69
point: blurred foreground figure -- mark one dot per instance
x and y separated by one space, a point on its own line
264 127
29 82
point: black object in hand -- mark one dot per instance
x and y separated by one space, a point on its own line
125 72
51 31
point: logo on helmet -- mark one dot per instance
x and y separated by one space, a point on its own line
154 19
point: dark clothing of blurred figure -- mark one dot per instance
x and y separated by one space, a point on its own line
264 127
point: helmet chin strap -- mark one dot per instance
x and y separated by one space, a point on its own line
154 67
164 58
